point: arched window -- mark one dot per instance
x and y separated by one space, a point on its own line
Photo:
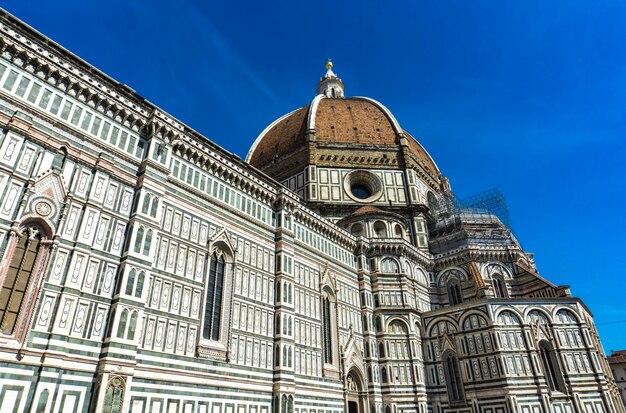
27 255
380 229
384 374
132 326
121 327
357 230
154 206
454 381
289 355
213 308
114 396
398 231
290 405
139 287
499 286
138 240
283 404
146 204
455 296
327 329
148 243
130 282
381 350
551 368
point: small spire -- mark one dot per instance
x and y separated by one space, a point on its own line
330 85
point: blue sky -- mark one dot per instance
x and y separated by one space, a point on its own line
528 97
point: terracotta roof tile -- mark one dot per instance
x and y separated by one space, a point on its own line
285 137
352 121
337 121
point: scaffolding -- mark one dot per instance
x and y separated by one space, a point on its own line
490 202
481 217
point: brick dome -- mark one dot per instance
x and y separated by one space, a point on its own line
337 131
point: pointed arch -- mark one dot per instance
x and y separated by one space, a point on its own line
499 286
154 207
214 296
148 243
551 367
114 395
455 293
139 286
217 302
138 239
21 272
146 203
130 282
452 374
121 326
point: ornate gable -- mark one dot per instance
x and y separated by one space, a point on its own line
46 198
328 280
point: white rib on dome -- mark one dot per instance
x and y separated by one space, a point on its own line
262 134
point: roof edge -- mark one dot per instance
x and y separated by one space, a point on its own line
267 129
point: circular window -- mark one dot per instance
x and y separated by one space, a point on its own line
360 191
363 186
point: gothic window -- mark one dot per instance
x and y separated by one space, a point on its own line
454 381
130 282
213 307
121 327
146 204
132 326
327 329
147 243
455 296
138 240
154 206
550 364
27 255
139 285
499 286
114 396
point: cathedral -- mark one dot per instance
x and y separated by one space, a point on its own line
144 269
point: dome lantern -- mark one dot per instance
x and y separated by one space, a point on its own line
330 85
